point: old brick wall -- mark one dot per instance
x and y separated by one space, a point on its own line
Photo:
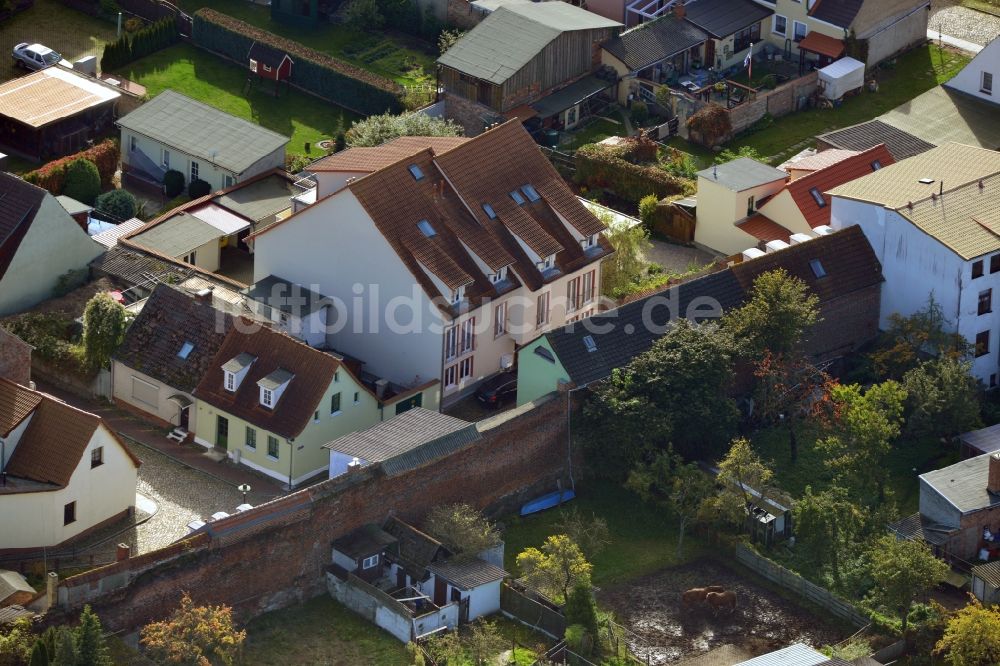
778 102
274 555
472 116
847 323
15 358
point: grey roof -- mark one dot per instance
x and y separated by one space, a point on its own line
19 203
984 440
571 95
407 441
260 199
417 549
289 297
364 541
468 574
239 362
920 528
989 572
964 484
721 18
275 379
72 206
507 40
942 114
838 12
11 582
200 130
742 174
10 614
177 235
651 42
109 237
134 267
901 144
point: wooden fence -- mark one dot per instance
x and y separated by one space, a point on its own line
526 610
564 163
793 582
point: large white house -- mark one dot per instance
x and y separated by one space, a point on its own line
439 255
934 222
978 78
63 472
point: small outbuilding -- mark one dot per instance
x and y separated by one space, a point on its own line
841 77
269 63
361 552
14 589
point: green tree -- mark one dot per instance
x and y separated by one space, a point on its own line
119 204
902 570
728 155
83 181
16 641
627 266
89 638
591 534
65 652
581 609
39 654
942 398
789 389
907 340
194 635
780 311
463 529
827 525
198 188
741 474
448 38
376 130
674 393
446 648
866 424
485 642
680 489
104 325
971 636
556 567
173 183
339 142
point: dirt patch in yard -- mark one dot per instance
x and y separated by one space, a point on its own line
763 620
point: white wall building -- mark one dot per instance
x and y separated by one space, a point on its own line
934 223
981 77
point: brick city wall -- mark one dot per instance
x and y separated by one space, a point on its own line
15 358
274 556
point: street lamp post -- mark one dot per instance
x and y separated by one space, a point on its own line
245 489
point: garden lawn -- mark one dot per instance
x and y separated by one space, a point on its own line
643 539
216 82
320 631
908 459
914 73
71 33
404 59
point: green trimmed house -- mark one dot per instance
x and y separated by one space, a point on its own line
271 402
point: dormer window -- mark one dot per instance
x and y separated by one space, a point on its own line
230 382
416 172
876 165
589 242
458 295
516 196
499 276
547 263
272 386
235 369
531 193
490 213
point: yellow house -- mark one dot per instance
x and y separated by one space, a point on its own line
271 402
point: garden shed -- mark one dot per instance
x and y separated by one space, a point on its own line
841 77
269 63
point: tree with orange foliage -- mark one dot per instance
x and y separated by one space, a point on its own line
194 636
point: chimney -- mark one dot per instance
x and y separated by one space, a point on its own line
122 552
51 589
993 484
679 11
380 386
205 295
354 466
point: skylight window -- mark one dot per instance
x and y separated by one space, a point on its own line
415 172
818 197
516 196
588 341
426 229
926 181
530 192
817 268
490 213
186 350
876 165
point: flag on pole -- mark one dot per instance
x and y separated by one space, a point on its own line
749 58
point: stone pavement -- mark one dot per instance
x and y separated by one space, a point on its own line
961 24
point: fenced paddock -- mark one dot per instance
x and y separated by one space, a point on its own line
793 582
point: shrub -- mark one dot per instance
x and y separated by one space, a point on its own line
322 75
376 130
83 181
136 44
447 39
52 176
69 281
134 24
173 183
647 209
296 163
711 125
640 112
340 142
118 204
603 166
198 188
364 15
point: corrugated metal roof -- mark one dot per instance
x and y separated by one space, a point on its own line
571 95
742 174
722 18
653 41
109 238
507 40
468 574
984 440
200 130
919 528
797 654
964 484
989 572
51 94
867 135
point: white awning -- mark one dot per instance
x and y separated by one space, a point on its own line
225 221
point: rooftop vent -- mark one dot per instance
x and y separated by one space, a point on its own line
752 253
982 185
798 239
775 245
926 181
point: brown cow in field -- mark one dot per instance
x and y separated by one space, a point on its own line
693 595
719 600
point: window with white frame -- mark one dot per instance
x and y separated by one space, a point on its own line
230 381
191 257
465 368
589 242
467 340
194 170
779 25
131 143
458 295
454 374
335 403
253 65
801 30
451 376
451 343
166 158
500 319
227 181
572 294
986 83
266 397
251 439
587 292
542 310
272 447
370 562
499 276
547 263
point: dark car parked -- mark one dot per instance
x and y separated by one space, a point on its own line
497 389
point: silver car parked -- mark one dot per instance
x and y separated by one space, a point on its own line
36 56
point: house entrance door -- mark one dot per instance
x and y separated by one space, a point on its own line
185 417
440 591
222 433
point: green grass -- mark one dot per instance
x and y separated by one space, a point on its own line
320 631
914 73
401 58
643 539
214 81
810 470
988 6
71 33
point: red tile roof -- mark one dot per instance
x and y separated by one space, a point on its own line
367 159
817 42
765 229
826 179
820 160
51 447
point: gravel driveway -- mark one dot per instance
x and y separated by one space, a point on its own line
964 23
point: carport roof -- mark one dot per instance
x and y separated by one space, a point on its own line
177 235
570 96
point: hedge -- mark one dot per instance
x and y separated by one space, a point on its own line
322 75
130 47
600 166
52 176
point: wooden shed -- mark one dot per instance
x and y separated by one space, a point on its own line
268 63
